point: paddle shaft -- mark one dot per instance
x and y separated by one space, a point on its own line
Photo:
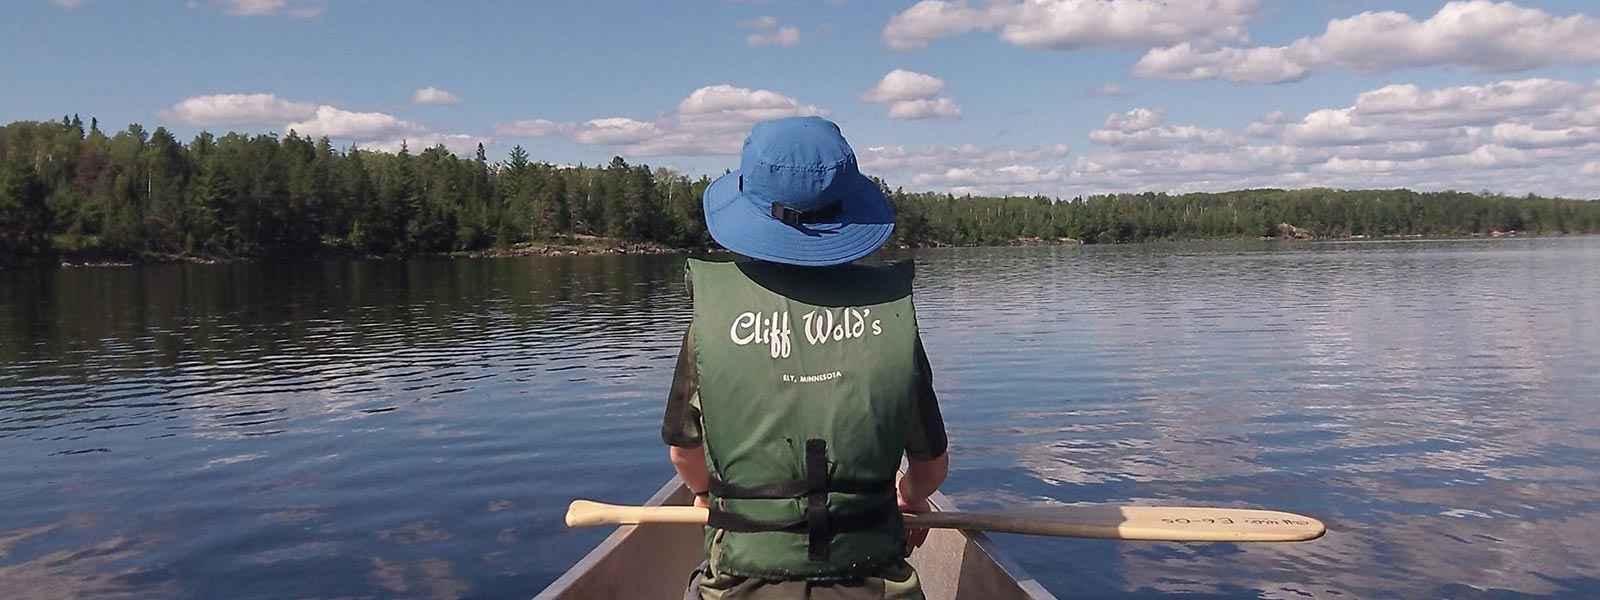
1149 523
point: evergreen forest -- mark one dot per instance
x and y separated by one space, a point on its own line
71 189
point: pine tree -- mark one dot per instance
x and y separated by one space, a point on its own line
24 216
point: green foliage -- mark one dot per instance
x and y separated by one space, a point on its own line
242 195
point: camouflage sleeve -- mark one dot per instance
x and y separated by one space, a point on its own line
926 439
681 425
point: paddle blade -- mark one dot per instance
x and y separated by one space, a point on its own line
1150 523
1104 521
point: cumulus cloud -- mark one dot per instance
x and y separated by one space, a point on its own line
901 85
254 8
787 37
768 32
358 126
616 131
1469 104
300 9
1109 90
459 144
911 95
1073 24
969 168
1529 135
1146 128
1190 62
238 110
933 108
1482 35
434 97
712 120
1517 136
527 128
372 129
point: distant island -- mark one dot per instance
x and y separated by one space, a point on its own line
73 192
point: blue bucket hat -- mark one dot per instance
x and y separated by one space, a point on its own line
798 198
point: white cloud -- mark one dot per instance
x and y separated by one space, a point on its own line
787 37
1137 119
1468 104
67 3
1109 90
929 20
968 168
1188 62
616 131
1481 35
740 107
1523 135
1269 125
901 84
238 110
769 32
911 95
1009 176
1333 127
712 120
1145 128
935 108
374 130
254 8
434 96
1073 24
527 128
458 144
300 9
1518 136
897 158
358 126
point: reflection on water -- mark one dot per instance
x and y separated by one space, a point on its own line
415 428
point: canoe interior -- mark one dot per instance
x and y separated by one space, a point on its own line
653 562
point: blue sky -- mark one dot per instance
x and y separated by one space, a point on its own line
1059 97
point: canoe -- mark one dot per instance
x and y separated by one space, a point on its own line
649 562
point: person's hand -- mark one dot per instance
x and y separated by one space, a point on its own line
702 501
915 536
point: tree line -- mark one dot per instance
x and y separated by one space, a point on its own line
70 189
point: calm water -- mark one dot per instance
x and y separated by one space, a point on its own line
414 429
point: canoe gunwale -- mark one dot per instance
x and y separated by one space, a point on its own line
573 575
977 560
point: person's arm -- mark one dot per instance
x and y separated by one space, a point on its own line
691 466
927 462
921 479
680 428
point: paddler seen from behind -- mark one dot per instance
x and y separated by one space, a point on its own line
802 381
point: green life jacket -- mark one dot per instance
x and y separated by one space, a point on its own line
807 379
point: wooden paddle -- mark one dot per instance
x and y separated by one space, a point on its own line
1103 521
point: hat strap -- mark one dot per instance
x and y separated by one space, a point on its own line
795 217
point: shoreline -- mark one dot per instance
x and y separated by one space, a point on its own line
597 246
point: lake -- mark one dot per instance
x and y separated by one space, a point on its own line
415 429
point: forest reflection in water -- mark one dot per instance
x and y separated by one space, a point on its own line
414 428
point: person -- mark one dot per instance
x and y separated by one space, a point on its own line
802 381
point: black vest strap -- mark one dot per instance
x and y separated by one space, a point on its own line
817 535
818 525
867 519
793 488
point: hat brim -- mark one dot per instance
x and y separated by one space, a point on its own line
865 221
